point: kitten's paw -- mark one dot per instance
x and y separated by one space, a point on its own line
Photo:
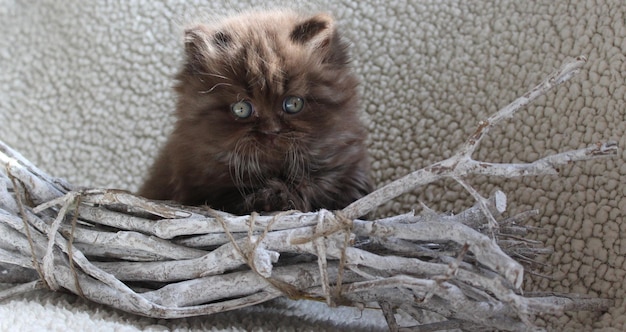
275 196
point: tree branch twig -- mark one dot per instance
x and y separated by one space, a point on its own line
193 261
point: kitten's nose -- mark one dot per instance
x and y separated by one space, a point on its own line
271 127
273 132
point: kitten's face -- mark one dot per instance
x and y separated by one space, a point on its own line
265 93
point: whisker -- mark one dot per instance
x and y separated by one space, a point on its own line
297 168
235 168
232 166
296 160
218 76
255 165
213 88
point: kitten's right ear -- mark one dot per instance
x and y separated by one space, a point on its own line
202 44
196 48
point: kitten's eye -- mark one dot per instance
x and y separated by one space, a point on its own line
293 104
242 109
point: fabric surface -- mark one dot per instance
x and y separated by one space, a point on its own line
85 93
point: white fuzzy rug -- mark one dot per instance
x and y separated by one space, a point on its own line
45 311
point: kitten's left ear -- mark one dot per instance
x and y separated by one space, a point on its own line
317 33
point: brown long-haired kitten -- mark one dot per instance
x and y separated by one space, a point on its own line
267 119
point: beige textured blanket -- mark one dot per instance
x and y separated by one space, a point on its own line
85 94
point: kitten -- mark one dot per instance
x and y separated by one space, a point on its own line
267 119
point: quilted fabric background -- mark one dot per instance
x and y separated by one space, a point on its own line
85 93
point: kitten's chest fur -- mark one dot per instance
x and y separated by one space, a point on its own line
267 119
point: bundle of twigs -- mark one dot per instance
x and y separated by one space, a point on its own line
163 260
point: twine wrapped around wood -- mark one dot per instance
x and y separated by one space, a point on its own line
164 260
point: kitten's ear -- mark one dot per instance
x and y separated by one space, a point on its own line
316 33
202 44
196 47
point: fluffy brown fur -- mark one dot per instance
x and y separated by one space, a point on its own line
271 160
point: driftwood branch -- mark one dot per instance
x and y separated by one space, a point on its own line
164 260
